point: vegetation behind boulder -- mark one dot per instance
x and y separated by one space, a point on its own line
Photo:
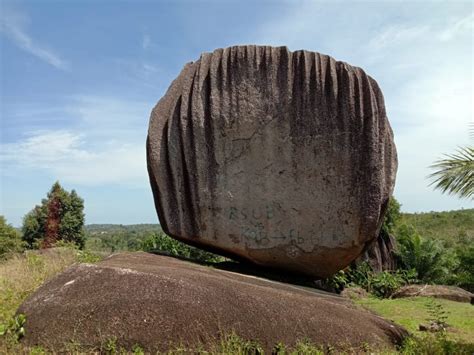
10 239
142 237
431 248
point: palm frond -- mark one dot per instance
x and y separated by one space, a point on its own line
455 173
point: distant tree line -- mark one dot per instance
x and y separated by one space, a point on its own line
145 237
436 247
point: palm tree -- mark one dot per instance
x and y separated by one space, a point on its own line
455 173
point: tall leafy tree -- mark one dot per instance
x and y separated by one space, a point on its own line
59 217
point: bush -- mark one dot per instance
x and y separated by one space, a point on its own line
428 258
10 240
463 273
430 344
385 283
163 243
392 216
381 284
82 256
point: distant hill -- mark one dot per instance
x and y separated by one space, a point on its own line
452 226
93 229
449 226
114 237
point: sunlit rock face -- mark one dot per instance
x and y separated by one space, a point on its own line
285 159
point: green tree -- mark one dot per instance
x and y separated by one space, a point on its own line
464 271
33 228
60 217
10 240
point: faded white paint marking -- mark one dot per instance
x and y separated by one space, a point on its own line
69 282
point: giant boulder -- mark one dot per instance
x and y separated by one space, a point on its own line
285 159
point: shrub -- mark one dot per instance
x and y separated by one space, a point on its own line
82 256
10 240
14 327
434 344
392 216
464 270
163 243
428 257
381 284
385 283
20 276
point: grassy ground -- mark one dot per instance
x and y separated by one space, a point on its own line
24 273
411 312
450 226
20 276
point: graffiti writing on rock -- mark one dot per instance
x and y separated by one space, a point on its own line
255 227
243 214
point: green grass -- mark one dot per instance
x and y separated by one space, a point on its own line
411 312
24 273
21 275
450 226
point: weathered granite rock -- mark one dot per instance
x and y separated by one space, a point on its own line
451 293
160 303
380 254
285 159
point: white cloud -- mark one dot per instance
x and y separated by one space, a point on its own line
100 116
139 73
43 148
66 156
396 35
108 113
103 142
405 34
13 26
457 27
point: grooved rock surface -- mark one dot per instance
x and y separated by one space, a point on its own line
285 159
160 302
381 253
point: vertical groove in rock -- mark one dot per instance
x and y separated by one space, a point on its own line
175 166
284 159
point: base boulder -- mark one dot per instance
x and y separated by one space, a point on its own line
159 302
451 293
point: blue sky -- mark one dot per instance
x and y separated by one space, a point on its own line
79 79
